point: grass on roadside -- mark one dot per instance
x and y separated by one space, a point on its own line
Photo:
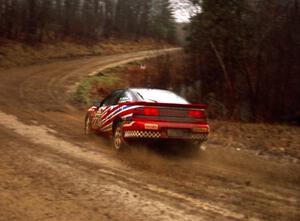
96 87
275 139
15 53
266 139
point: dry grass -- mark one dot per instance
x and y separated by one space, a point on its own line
274 139
18 54
271 139
94 87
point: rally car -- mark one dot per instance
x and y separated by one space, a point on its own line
147 114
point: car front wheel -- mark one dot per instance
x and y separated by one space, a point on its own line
88 126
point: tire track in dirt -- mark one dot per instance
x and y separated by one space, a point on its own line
42 93
44 136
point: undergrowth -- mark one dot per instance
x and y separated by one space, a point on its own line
94 88
274 139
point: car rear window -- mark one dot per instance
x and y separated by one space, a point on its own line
160 96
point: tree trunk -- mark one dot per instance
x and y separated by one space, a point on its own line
223 66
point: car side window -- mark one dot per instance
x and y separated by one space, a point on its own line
115 98
125 97
106 101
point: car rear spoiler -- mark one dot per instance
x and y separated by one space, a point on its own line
198 106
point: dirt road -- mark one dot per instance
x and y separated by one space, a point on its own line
50 171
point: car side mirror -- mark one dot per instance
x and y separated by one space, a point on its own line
98 104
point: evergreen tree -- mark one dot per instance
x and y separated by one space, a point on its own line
163 21
39 20
237 47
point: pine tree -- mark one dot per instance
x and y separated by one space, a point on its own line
162 20
42 20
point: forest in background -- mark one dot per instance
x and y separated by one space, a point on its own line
243 59
242 55
34 21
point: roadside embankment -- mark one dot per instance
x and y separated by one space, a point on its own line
13 53
266 140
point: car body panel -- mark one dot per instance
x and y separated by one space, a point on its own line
168 121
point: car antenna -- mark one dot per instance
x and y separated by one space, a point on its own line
148 81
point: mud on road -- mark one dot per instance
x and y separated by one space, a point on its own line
50 171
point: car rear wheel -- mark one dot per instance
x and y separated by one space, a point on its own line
118 139
88 126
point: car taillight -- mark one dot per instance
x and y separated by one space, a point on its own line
150 111
196 114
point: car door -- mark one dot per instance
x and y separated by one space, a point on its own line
106 111
96 120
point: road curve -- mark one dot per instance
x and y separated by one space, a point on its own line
50 171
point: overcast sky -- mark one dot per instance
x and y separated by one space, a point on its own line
183 10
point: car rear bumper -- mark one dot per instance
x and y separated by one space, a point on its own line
166 130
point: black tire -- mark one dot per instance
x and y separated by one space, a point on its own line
88 126
119 143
